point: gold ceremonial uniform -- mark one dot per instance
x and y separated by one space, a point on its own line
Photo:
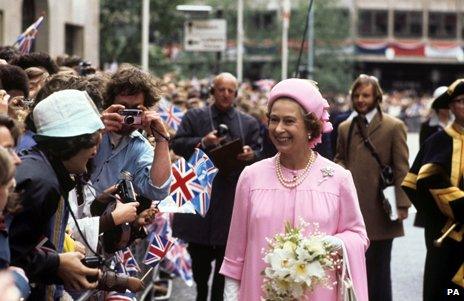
435 187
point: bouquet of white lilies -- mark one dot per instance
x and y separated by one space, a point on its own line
296 264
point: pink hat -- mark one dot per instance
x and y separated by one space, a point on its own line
306 94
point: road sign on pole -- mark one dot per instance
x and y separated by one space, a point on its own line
205 35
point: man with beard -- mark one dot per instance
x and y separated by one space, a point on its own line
368 142
123 147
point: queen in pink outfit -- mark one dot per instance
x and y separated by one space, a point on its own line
295 184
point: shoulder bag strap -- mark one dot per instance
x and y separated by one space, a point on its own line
368 143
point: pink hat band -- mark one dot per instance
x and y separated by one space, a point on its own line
307 95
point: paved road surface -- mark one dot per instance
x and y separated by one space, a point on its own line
407 259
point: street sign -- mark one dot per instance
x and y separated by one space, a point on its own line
205 35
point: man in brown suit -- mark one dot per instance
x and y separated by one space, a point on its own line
388 137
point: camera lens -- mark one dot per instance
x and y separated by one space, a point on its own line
129 120
222 130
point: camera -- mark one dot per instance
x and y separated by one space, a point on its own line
222 130
125 188
386 176
92 262
126 191
132 116
85 68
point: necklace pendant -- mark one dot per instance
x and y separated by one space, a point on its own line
297 179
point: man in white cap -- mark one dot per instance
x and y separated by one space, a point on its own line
438 119
68 133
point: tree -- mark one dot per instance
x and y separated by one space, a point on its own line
333 67
120 22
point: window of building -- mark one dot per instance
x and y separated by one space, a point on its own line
264 19
408 24
442 25
372 23
74 40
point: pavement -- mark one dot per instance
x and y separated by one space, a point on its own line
408 256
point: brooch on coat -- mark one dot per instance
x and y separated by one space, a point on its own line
326 173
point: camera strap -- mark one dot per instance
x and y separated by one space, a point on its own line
68 206
361 124
367 142
210 115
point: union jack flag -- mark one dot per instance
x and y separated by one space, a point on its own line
156 250
24 40
201 203
178 262
184 265
128 262
186 185
160 225
206 171
172 115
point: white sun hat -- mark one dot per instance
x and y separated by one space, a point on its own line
67 113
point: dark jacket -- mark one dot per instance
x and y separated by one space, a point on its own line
435 187
42 184
197 123
427 130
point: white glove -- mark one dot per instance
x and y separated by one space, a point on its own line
231 288
335 242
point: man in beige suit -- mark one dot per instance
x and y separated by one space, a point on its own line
388 137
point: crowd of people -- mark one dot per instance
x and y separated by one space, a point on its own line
69 133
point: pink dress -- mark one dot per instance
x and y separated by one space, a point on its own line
262 206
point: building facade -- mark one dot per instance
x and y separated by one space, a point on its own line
69 26
408 44
415 44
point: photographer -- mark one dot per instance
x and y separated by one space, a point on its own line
123 147
68 133
208 127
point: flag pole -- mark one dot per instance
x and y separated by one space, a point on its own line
285 25
239 41
146 274
145 33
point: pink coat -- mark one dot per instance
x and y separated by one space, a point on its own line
262 206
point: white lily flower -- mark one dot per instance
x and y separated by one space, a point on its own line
280 261
315 269
300 271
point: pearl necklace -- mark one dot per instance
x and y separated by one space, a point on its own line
298 179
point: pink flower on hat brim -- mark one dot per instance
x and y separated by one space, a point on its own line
307 95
